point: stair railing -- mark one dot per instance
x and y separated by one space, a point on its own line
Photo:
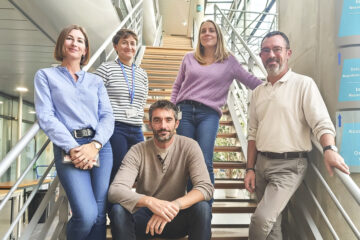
349 184
239 95
238 110
60 206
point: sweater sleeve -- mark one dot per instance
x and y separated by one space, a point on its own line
179 80
120 189
243 76
315 111
199 174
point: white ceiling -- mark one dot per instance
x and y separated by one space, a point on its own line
29 29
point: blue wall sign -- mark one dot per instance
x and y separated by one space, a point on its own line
350 80
350 18
350 144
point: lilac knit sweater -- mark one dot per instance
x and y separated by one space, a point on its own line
209 84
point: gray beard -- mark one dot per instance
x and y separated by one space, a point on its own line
274 71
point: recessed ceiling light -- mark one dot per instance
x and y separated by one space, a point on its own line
21 89
184 23
1 102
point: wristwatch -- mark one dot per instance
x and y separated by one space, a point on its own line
330 147
97 145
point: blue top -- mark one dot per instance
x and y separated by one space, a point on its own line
63 105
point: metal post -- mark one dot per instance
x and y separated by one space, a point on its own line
18 161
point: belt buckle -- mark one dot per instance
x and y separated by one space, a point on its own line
76 134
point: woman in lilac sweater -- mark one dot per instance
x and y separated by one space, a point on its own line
202 86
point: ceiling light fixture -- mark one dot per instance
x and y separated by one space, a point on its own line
21 89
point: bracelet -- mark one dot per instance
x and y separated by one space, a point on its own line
250 169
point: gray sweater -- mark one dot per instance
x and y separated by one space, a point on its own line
165 181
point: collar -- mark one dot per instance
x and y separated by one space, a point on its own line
284 78
64 69
164 151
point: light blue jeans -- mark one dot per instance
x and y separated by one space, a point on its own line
200 123
87 194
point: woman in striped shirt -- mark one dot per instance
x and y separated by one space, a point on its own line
127 87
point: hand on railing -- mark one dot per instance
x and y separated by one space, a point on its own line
334 160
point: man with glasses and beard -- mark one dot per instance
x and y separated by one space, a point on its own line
161 168
283 113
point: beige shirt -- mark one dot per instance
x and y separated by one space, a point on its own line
282 116
165 181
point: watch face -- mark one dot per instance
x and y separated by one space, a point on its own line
334 148
97 145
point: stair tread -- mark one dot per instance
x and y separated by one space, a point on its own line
233 207
230 184
229 164
227 148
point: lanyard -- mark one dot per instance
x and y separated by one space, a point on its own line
131 91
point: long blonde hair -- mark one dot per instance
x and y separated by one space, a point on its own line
221 53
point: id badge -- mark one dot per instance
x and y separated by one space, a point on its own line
130 113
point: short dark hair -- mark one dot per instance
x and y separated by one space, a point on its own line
164 104
274 33
59 47
124 33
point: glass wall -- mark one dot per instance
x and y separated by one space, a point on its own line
9 137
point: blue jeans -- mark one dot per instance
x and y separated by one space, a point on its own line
200 123
87 193
124 136
194 221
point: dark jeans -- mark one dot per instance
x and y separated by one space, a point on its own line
124 136
194 222
87 194
200 123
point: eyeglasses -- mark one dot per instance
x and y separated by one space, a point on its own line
276 50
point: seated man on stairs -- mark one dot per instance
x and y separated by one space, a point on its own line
161 167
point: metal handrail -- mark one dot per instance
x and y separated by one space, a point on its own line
252 55
108 41
16 150
349 183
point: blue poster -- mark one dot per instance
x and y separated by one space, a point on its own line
350 80
350 18
350 144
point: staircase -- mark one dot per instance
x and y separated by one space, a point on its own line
231 214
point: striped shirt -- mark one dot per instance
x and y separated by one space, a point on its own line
118 91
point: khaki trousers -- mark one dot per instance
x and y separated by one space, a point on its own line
276 180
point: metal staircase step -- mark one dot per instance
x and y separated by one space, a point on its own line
229 164
156 79
160 85
229 233
168 49
159 93
230 184
162 73
233 207
162 57
162 62
227 148
160 67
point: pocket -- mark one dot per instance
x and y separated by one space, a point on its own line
301 165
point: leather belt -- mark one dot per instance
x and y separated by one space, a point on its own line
191 102
286 155
83 133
